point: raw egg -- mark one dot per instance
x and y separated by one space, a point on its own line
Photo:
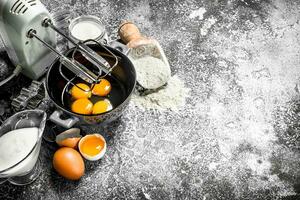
69 138
102 89
78 93
102 106
68 163
92 147
82 106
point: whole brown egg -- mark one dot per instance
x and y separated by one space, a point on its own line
68 163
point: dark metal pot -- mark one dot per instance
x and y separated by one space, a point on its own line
123 73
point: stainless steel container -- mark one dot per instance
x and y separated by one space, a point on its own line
80 29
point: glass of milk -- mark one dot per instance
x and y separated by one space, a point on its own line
20 142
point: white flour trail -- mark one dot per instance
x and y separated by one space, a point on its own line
171 97
198 13
207 25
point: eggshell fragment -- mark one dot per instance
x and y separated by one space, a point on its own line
69 138
68 163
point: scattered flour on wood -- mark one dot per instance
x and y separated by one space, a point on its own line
171 97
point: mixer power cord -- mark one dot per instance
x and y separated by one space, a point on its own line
15 73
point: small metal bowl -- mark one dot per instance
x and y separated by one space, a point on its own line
102 37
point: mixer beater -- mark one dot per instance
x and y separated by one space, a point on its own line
72 64
25 24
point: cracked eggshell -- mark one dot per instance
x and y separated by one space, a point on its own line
89 143
69 138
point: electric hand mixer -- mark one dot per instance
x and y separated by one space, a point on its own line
28 34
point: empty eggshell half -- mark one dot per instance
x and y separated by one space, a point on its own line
69 138
92 147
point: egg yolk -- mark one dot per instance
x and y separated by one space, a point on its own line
101 107
82 106
102 89
82 92
92 145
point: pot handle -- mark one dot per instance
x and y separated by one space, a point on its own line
120 47
66 123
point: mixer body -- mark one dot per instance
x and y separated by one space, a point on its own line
17 17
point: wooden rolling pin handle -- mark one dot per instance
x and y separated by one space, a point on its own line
128 32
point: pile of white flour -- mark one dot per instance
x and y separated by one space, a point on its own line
171 97
151 72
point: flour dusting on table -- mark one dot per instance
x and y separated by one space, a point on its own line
198 13
171 97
